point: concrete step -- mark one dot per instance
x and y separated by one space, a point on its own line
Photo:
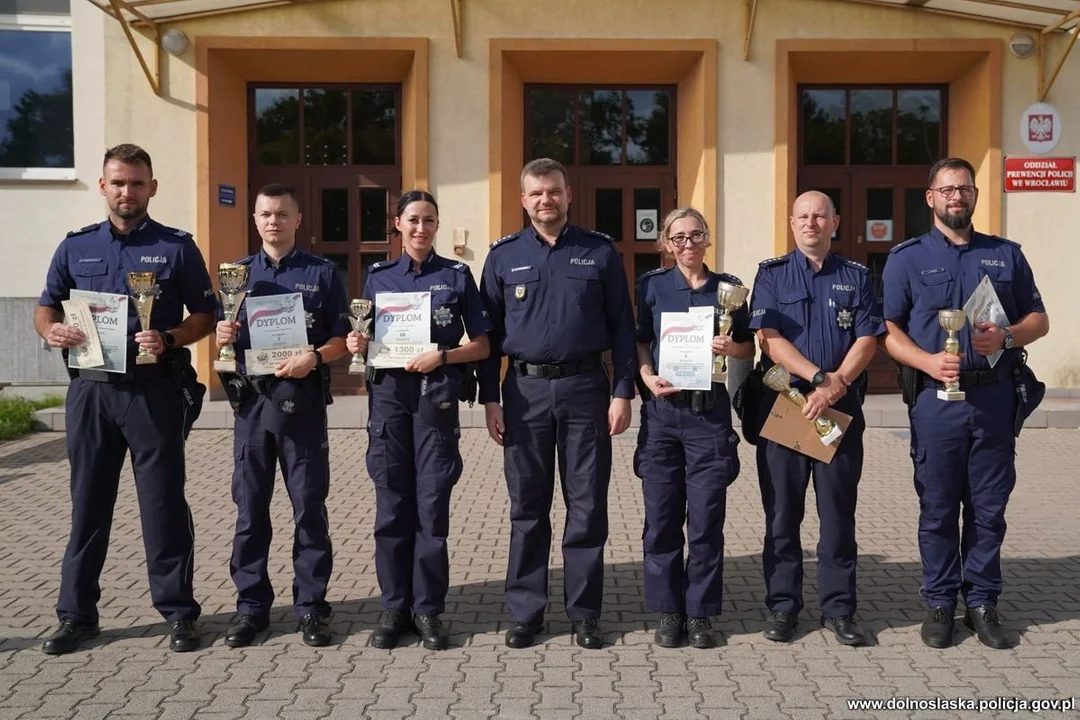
1061 409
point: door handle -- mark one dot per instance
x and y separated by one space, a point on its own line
858 239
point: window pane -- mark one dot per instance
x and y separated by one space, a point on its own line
601 127
35 7
823 127
879 215
366 261
648 123
374 127
373 214
277 126
551 124
917 220
609 212
36 117
871 127
342 261
324 127
646 214
918 127
643 263
335 215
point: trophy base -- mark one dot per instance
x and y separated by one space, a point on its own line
719 377
950 395
145 359
832 437
225 366
357 369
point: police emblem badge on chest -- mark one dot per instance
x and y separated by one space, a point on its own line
519 292
309 319
843 318
443 316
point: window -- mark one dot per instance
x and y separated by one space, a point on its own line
37 135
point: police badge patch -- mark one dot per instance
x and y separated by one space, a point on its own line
843 318
519 292
309 319
443 316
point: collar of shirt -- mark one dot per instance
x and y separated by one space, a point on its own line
133 235
977 239
537 238
405 263
804 262
679 280
268 262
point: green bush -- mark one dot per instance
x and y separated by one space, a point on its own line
17 414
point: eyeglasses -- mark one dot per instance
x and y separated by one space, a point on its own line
949 190
697 237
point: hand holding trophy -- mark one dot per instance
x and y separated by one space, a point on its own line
233 278
360 317
729 298
952 322
143 291
778 379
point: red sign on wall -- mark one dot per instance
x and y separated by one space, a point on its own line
1040 174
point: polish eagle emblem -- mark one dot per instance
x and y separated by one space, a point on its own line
1041 128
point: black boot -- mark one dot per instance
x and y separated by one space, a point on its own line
588 633
986 623
315 630
392 625
68 636
184 636
937 628
432 633
700 633
846 629
780 626
670 632
522 634
242 632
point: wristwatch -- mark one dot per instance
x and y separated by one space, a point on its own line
1009 339
318 359
818 379
442 357
170 340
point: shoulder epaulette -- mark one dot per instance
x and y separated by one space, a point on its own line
657 271
773 261
906 243
174 231
504 239
381 265
321 259
82 231
452 263
597 233
245 261
1006 240
852 263
729 278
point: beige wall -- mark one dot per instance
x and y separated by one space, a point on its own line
37 215
459 116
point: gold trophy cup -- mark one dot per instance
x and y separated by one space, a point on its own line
952 322
360 317
729 298
778 379
233 278
143 291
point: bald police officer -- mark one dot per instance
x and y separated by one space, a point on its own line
109 412
558 299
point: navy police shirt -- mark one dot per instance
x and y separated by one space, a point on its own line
98 258
456 307
666 290
557 304
315 278
928 273
822 313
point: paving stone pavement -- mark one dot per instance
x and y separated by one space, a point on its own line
128 672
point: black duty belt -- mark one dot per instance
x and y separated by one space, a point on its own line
697 400
155 371
554 371
974 378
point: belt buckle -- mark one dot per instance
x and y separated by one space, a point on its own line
554 371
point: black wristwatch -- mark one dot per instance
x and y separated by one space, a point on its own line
818 379
442 356
169 339
318 359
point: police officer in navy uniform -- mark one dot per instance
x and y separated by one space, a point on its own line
281 420
687 452
414 429
141 410
963 451
558 300
816 315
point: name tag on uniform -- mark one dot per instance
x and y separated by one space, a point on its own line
277 325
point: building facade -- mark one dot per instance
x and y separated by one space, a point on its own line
733 106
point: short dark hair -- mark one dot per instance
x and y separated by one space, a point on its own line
952 163
543 166
129 154
414 196
278 190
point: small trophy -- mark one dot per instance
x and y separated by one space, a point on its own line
360 317
778 379
144 290
952 322
233 278
729 298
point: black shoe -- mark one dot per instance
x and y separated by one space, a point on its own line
847 630
69 636
392 625
986 623
242 632
315 630
937 628
780 626
671 631
432 633
700 633
184 636
521 634
588 633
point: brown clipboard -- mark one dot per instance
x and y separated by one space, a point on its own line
787 426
